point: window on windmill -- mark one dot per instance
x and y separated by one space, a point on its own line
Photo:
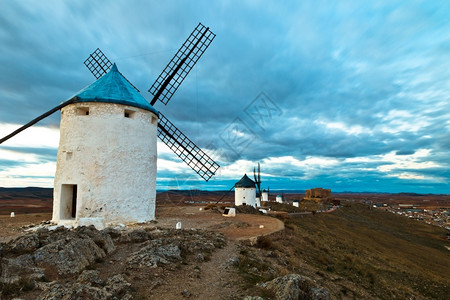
83 111
69 155
129 113
153 120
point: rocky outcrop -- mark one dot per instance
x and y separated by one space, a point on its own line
152 255
62 252
88 286
68 256
61 262
294 286
24 243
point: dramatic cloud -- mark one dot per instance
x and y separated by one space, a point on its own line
349 95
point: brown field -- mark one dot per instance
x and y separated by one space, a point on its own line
354 252
40 200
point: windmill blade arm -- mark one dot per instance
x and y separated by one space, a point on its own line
99 65
181 64
182 146
34 121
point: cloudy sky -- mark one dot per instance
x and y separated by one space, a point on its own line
347 95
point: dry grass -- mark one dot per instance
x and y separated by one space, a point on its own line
388 255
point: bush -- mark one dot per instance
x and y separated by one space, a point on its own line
265 242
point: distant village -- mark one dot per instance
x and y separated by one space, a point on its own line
438 216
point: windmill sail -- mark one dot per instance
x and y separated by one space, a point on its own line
257 177
99 65
182 146
164 88
181 64
34 121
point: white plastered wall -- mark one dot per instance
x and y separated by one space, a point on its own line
265 196
245 195
112 161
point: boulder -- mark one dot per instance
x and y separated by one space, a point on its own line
294 286
25 243
153 254
55 291
69 257
117 285
91 277
101 238
12 269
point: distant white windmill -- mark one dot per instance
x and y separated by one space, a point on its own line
245 192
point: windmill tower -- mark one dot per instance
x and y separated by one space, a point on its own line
245 192
106 162
265 196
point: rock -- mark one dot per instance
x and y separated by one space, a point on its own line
101 238
135 236
2 246
127 297
68 257
77 291
186 293
113 233
200 257
54 291
90 277
294 286
252 298
153 254
13 268
320 294
117 285
25 243
233 261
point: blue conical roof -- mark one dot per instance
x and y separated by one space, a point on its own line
245 182
113 88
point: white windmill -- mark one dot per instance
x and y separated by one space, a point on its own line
245 192
106 161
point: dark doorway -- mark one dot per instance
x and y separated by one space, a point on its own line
74 201
69 195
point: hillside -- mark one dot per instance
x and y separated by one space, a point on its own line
353 252
355 249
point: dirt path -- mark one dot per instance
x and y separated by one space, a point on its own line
214 279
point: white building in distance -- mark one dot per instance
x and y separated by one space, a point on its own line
265 196
279 199
106 161
245 192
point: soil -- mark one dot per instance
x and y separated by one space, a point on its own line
211 278
13 227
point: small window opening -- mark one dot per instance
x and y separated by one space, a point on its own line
129 113
153 120
69 155
83 111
